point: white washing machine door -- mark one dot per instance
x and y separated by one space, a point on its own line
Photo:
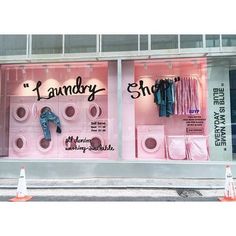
44 145
94 111
95 142
21 113
150 144
19 143
70 111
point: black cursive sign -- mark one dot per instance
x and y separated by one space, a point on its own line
78 88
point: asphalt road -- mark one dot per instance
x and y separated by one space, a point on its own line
134 195
116 199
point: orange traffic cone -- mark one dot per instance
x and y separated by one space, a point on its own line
229 187
21 192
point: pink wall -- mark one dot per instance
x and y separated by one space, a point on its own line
128 115
112 109
54 76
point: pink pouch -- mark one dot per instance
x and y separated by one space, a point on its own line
176 147
197 148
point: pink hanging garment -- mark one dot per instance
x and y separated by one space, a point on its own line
196 95
189 96
183 96
194 98
197 148
186 90
176 97
176 147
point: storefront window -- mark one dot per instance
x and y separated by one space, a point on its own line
176 110
12 45
212 40
172 110
46 44
164 41
119 42
191 41
60 111
80 43
229 40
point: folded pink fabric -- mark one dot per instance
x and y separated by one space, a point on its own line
176 147
197 148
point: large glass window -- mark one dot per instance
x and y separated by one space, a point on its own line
59 111
164 41
165 107
229 40
212 40
46 44
178 110
13 45
121 42
80 43
191 41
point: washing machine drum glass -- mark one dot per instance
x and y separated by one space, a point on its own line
70 111
21 113
44 109
44 143
95 111
95 142
150 144
19 143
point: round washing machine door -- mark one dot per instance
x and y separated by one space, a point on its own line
95 142
94 111
45 108
19 143
70 111
150 144
44 145
21 113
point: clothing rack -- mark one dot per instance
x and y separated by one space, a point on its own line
173 76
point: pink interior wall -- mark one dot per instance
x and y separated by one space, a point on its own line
55 75
146 111
112 109
128 112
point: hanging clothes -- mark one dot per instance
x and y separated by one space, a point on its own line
48 116
178 97
187 100
164 97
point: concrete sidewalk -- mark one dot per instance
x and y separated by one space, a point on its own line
96 183
118 189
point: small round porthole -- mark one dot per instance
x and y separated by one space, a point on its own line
19 144
70 111
44 145
20 113
96 142
94 111
45 109
150 144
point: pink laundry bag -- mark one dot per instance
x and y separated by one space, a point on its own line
176 147
197 148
